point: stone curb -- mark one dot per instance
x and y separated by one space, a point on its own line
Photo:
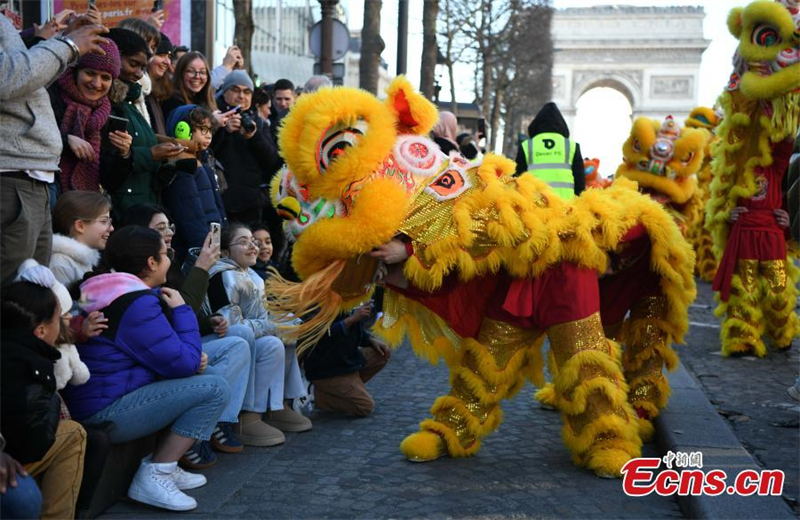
690 423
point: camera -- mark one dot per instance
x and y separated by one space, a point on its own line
248 123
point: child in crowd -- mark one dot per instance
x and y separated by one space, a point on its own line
147 368
237 293
51 449
264 242
342 362
193 196
81 227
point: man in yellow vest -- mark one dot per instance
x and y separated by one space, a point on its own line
550 155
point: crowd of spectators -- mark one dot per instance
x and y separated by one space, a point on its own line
124 314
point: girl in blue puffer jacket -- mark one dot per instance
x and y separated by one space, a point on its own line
147 367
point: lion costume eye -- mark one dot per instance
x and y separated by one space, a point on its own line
766 36
637 148
688 158
336 140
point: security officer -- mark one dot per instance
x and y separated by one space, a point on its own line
550 155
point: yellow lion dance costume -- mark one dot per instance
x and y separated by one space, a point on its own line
493 264
697 234
664 160
756 279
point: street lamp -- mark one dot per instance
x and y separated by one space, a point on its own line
326 57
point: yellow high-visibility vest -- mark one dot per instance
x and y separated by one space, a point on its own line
549 157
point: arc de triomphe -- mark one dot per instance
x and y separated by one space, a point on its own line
649 54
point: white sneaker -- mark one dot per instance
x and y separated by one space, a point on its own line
185 480
153 484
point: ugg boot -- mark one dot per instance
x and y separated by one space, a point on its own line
252 431
287 420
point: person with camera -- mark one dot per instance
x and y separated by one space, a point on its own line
343 361
246 151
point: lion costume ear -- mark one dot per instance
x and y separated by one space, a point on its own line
735 22
414 114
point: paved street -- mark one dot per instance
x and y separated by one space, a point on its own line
346 468
750 393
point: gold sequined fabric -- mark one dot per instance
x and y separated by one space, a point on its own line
651 307
431 326
748 274
774 272
568 339
503 340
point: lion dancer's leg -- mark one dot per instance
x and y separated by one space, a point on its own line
743 324
488 369
599 424
647 350
778 279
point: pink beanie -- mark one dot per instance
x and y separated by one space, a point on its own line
110 62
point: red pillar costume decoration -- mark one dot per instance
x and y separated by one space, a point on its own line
697 234
496 263
756 279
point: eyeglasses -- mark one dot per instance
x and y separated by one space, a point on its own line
165 228
104 221
242 91
248 243
196 73
204 130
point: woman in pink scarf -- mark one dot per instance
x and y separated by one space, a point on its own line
444 132
81 106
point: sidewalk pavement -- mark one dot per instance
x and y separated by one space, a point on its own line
352 468
738 412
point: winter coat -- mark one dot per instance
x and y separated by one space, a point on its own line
29 135
249 165
138 184
261 268
238 296
337 353
146 341
30 408
71 259
192 197
549 119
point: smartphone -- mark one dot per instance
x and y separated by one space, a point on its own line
216 231
117 124
158 5
481 127
92 3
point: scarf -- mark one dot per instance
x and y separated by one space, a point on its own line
139 102
84 119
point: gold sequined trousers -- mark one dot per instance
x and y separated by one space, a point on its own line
647 348
486 371
600 426
762 301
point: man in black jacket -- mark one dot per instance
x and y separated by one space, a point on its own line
340 365
247 153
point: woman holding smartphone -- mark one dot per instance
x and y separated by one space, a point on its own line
81 105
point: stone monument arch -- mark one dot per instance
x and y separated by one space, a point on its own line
651 55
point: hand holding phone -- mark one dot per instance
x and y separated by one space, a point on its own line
117 124
216 233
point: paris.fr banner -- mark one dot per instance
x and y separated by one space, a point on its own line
113 11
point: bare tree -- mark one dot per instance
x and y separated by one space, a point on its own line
371 46
509 41
243 14
430 49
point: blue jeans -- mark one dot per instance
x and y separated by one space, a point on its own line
191 405
275 374
229 357
23 501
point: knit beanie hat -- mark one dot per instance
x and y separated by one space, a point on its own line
237 77
108 62
128 42
31 271
164 45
